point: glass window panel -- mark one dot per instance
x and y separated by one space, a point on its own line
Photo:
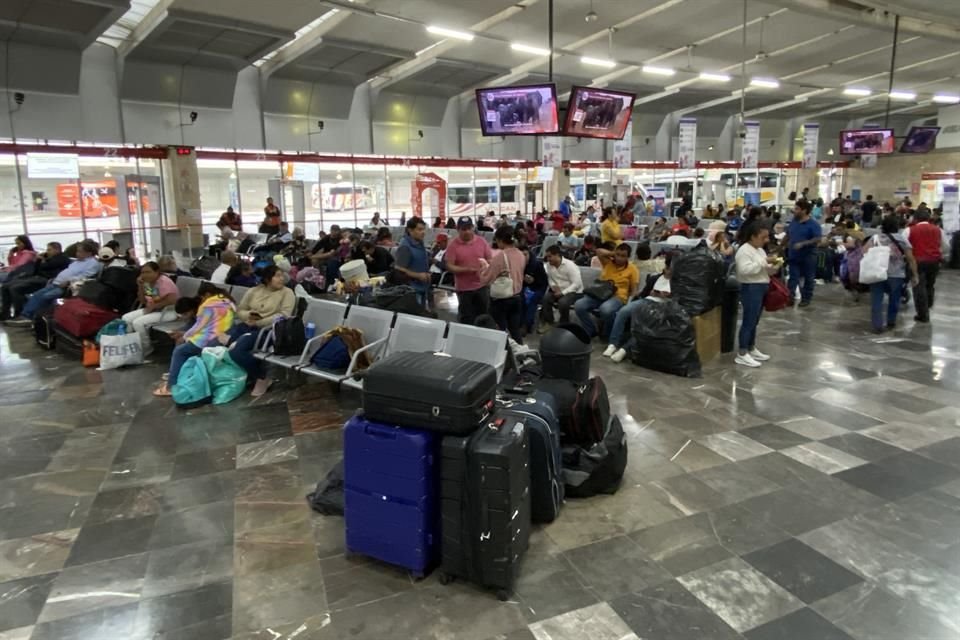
53 205
370 192
334 194
400 182
219 189
11 221
253 178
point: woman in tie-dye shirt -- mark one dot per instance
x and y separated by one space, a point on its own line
214 320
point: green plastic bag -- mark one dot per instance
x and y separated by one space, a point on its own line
193 383
112 328
227 378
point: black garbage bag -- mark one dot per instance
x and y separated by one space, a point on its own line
599 469
328 496
663 339
697 280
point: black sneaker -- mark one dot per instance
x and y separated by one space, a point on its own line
804 303
919 319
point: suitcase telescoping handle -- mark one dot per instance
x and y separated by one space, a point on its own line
378 431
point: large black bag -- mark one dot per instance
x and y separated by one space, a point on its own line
485 505
327 498
290 334
401 298
598 469
123 281
664 339
99 294
539 415
204 266
429 391
697 280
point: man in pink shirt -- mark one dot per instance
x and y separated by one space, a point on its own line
466 255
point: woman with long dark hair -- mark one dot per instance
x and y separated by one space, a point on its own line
753 273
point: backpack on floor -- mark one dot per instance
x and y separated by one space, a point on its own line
583 410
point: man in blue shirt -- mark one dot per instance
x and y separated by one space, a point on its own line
803 235
412 260
565 208
85 266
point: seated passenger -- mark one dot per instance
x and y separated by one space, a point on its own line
157 295
168 266
30 277
378 259
242 275
657 288
22 253
85 266
618 269
384 238
186 309
228 260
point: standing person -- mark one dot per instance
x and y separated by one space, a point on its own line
535 286
30 277
754 269
565 286
610 227
85 266
565 207
466 256
412 260
926 239
271 218
803 236
901 257
157 295
213 324
508 263
230 219
618 269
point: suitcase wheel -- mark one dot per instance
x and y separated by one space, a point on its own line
503 595
445 578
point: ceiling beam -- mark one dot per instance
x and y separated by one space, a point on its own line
305 44
941 28
116 9
912 107
800 99
151 21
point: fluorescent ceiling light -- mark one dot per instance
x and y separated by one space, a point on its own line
766 83
658 71
598 62
714 77
854 91
946 99
903 95
450 33
537 51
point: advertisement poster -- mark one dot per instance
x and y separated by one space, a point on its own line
951 208
551 153
868 161
52 165
751 145
623 149
688 143
811 141
659 200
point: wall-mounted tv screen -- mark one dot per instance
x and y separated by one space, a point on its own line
518 111
598 113
870 141
920 140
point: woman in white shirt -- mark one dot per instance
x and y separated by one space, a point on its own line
753 273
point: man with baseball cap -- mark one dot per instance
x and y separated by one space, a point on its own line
466 255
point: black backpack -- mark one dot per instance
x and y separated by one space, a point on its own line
583 410
289 334
204 266
597 469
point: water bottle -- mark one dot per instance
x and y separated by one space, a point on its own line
122 329
310 330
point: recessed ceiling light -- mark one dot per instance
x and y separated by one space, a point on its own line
943 98
537 51
855 91
598 62
903 95
450 33
766 83
658 71
714 77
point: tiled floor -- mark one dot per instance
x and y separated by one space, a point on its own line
817 498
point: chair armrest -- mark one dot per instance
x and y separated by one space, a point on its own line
260 343
356 354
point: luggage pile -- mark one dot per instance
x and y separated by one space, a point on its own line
444 468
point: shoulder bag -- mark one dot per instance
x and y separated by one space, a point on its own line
502 287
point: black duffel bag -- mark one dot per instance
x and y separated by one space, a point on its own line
100 294
401 298
204 266
664 339
598 469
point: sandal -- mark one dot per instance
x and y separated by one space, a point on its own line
163 391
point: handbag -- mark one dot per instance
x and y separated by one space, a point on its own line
502 287
777 297
290 334
91 354
601 290
120 351
874 265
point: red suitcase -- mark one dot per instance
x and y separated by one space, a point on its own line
80 318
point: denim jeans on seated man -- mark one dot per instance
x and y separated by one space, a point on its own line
618 334
41 299
607 310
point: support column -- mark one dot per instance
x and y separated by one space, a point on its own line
182 190
555 190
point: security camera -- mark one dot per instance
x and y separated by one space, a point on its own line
320 125
193 116
420 133
19 97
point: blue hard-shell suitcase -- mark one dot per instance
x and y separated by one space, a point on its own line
391 499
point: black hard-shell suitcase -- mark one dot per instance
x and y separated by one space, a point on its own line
485 505
538 412
43 329
66 344
427 391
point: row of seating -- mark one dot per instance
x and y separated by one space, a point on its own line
189 287
655 247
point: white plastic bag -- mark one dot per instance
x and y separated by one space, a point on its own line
874 265
120 351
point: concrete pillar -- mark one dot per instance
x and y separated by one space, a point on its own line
555 190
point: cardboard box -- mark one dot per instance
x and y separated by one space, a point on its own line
706 326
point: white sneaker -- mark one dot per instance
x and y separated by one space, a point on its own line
746 360
609 350
619 355
758 355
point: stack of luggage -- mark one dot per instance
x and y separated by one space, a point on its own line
444 468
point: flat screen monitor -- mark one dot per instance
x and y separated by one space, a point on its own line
598 113
920 140
866 141
519 111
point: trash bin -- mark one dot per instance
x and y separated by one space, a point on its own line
565 352
730 308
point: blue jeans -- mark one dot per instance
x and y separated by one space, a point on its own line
532 303
181 353
751 298
805 268
242 339
41 299
893 288
608 311
617 337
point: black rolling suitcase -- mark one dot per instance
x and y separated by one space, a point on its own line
66 344
485 505
43 329
430 392
538 412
